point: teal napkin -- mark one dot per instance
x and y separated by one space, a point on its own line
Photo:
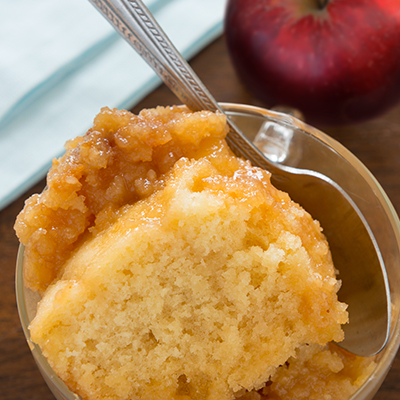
61 61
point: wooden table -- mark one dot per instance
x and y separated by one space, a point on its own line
376 143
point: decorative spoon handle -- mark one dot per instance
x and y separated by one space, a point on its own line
132 20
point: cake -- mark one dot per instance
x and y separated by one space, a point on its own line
171 269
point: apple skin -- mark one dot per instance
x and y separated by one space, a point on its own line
338 65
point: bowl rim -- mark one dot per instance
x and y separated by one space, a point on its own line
384 358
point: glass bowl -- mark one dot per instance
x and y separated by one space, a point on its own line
289 141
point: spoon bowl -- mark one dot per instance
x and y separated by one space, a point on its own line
315 170
353 245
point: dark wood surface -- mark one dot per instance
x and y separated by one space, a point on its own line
376 143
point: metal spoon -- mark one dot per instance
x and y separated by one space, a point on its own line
354 249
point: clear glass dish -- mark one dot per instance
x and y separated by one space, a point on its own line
289 141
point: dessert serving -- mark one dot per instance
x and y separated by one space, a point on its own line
171 269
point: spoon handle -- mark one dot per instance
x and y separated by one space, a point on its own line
134 22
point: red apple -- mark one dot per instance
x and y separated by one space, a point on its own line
337 61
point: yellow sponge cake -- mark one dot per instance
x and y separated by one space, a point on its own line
171 269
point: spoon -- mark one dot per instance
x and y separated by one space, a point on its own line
354 249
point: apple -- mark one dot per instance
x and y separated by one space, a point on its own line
336 61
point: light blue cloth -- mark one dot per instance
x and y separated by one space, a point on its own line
61 61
